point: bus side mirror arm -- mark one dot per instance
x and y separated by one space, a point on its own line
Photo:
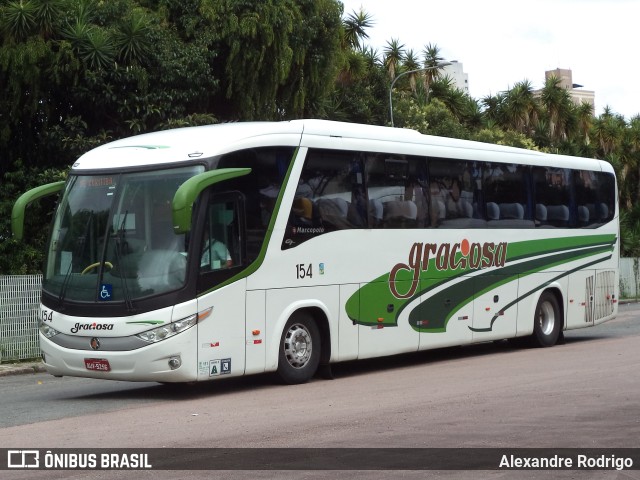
183 200
17 214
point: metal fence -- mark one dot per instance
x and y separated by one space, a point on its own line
20 299
19 311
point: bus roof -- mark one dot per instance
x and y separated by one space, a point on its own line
191 143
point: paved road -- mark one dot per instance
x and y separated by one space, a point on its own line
582 394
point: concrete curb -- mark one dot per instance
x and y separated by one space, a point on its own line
21 368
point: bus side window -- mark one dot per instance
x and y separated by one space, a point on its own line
506 196
329 196
594 197
453 194
552 189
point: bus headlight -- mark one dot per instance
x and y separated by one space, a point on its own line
48 331
169 330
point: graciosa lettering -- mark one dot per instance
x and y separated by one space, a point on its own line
447 256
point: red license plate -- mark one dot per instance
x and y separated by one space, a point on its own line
99 364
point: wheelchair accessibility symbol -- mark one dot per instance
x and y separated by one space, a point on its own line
106 291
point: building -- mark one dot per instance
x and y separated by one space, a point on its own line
578 95
455 73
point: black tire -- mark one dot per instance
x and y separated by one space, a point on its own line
299 351
547 321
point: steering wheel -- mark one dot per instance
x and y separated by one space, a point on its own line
94 265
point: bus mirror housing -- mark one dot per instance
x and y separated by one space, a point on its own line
186 195
17 214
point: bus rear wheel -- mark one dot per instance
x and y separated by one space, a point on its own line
299 352
547 321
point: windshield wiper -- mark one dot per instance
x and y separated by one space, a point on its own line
121 244
79 247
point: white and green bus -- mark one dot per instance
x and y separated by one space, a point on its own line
217 251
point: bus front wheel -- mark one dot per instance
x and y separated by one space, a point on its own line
299 353
547 321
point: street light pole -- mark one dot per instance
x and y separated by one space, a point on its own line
434 67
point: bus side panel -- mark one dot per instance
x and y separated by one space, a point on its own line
376 339
579 302
221 335
442 319
495 314
255 331
282 304
347 330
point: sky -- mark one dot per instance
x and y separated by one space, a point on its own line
502 42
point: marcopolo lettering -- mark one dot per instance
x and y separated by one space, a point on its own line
447 256
91 326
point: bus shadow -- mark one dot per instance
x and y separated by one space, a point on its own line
181 391
498 347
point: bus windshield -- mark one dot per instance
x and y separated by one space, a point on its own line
113 240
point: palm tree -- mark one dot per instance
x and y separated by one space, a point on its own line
410 63
521 108
432 59
133 39
631 149
559 107
353 67
393 55
492 105
584 114
608 131
46 13
355 26
454 99
18 20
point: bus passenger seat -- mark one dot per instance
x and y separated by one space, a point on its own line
302 210
583 215
514 211
557 215
400 214
541 212
333 212
493 211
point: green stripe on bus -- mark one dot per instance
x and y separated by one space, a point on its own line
439 308
373 303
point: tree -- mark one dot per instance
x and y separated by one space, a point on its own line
520 108
410 63
393 55
432 59
558 106
277 59
355 27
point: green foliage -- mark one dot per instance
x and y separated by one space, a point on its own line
433 118
630 231
361 91
20 258
18 19
502 137
277 57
